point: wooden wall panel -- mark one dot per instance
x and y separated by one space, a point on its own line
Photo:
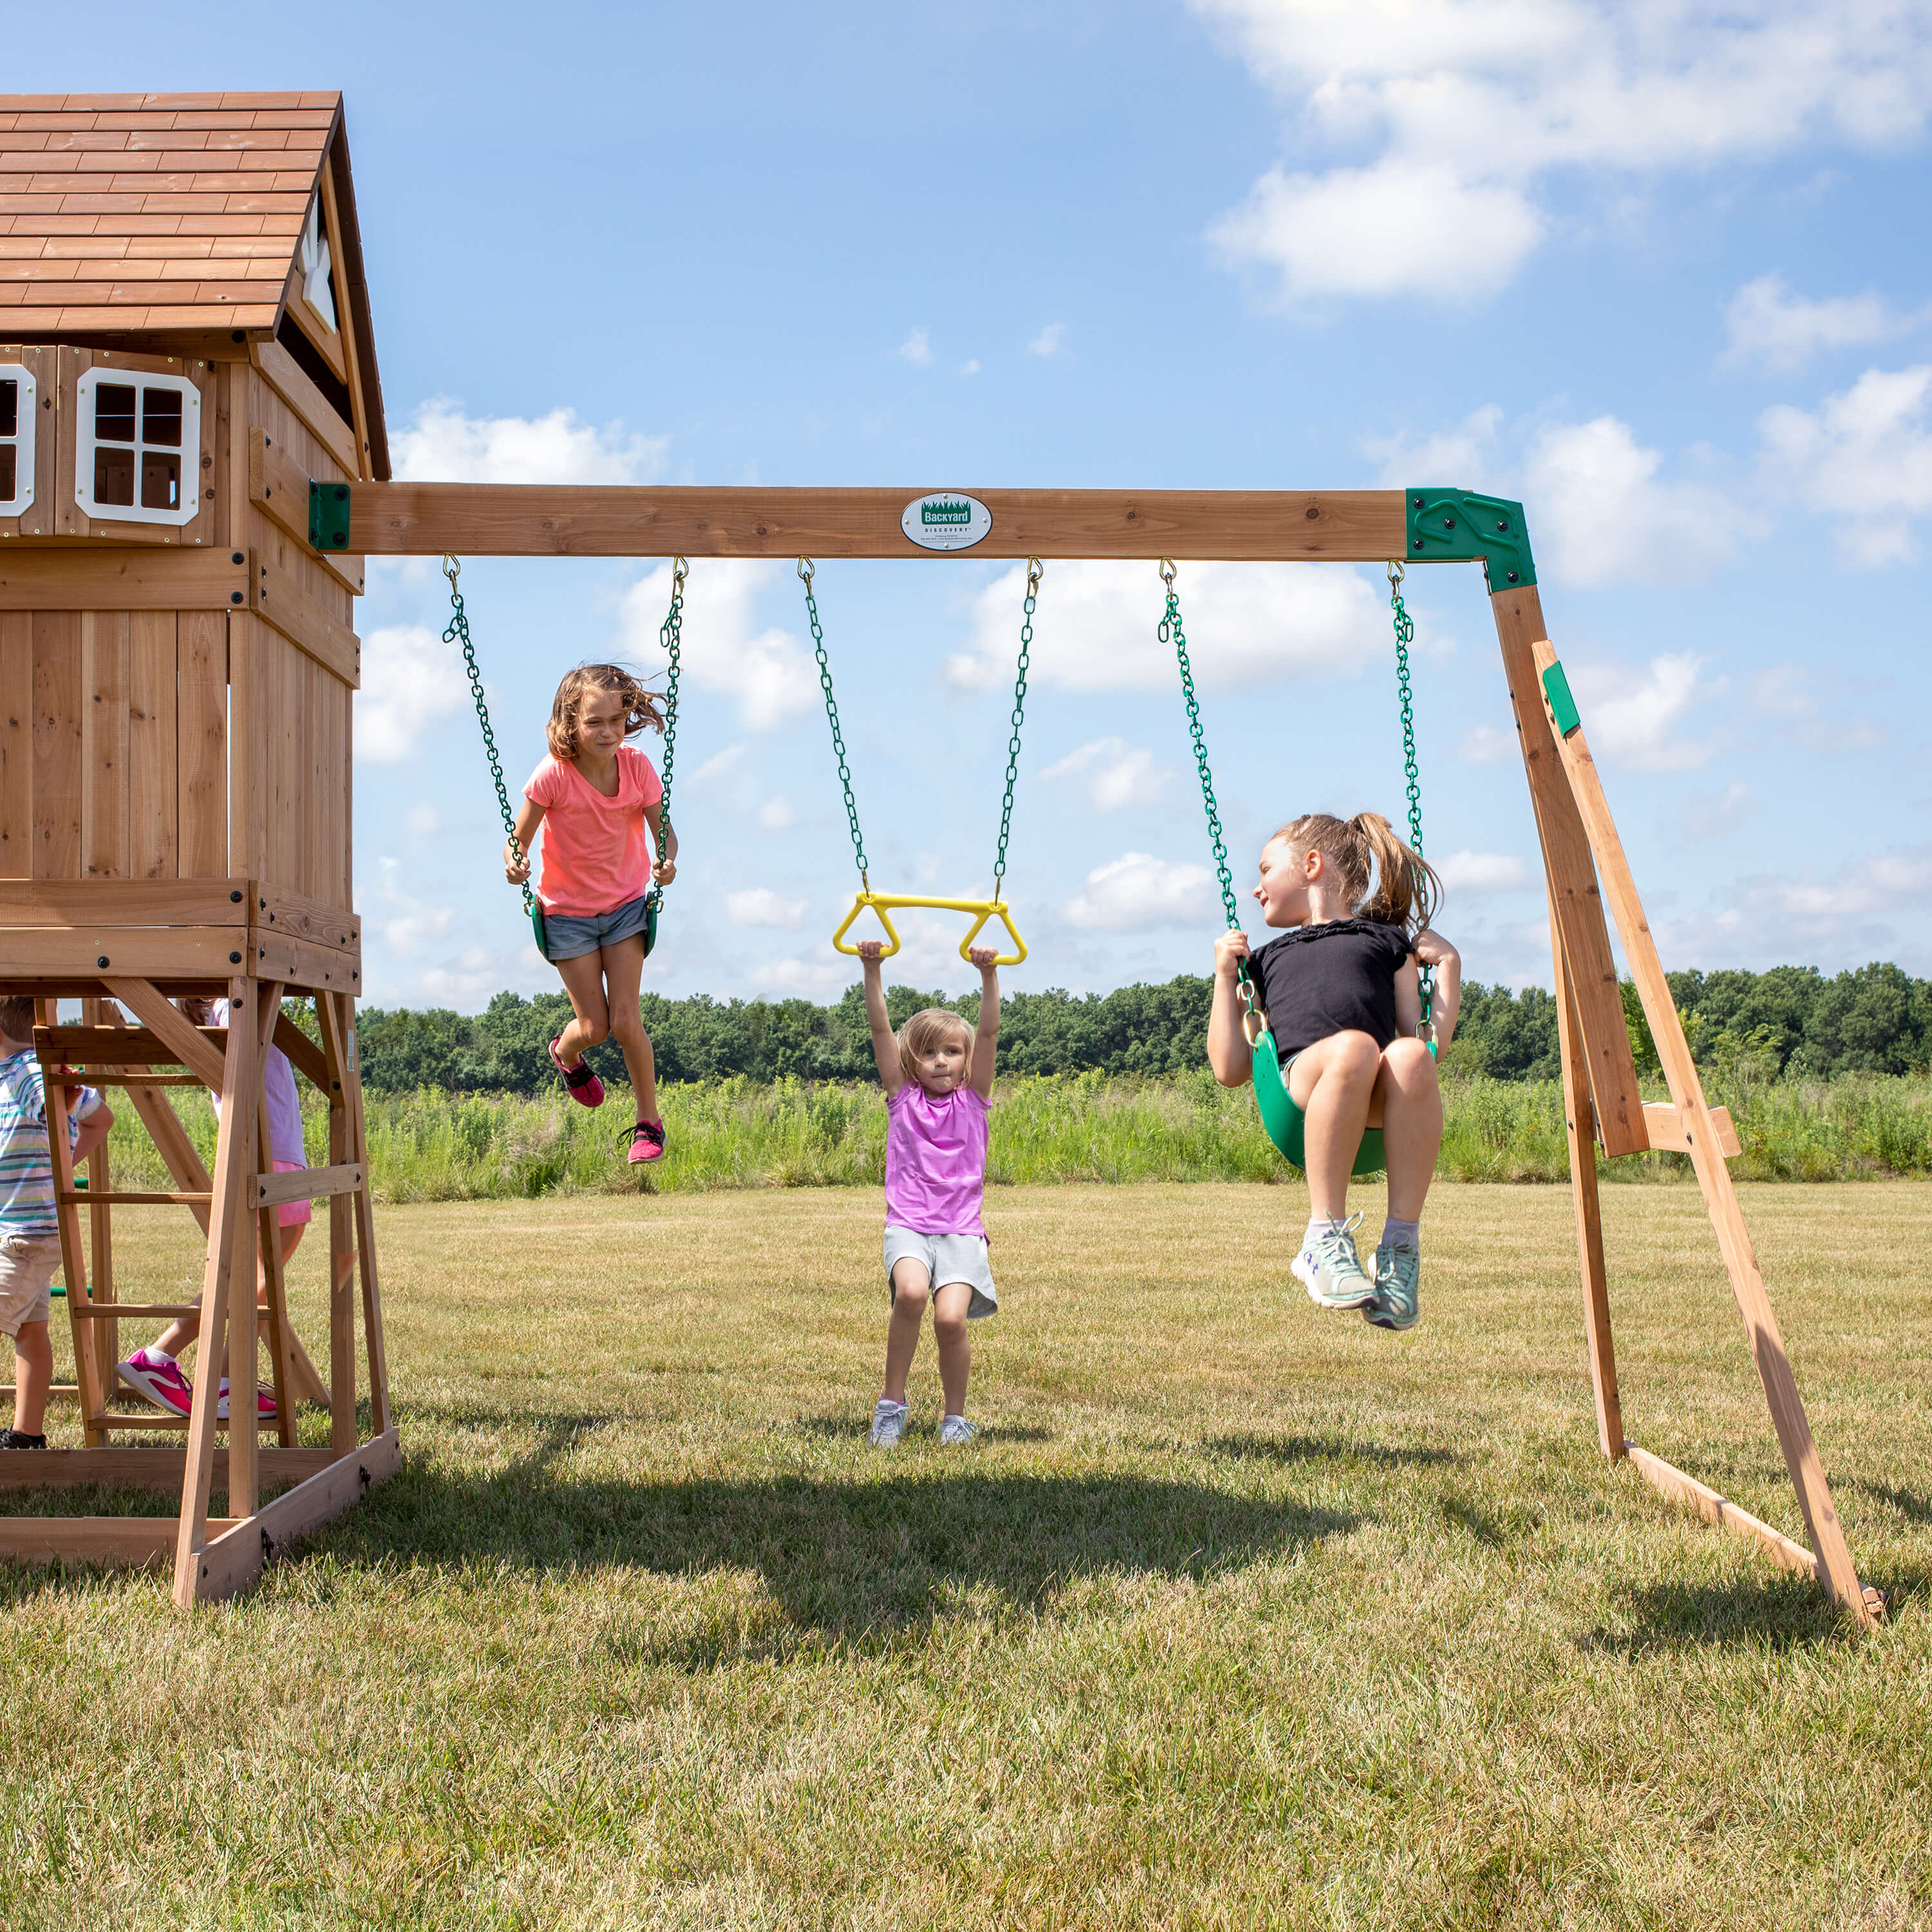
103 744
288 793
153 793
57 744
201 737
246 812
16 744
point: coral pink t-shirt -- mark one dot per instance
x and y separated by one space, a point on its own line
596 851
935 1160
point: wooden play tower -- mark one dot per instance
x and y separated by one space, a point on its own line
186 328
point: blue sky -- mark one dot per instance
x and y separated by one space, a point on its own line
1659 270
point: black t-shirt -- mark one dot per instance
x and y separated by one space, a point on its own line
1335 977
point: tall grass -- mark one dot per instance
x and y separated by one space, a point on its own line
433 1146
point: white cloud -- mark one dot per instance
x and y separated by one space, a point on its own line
769 672
1137 890
1247 624
1463 457
1599 514
776 814
1702 816
410 679
1768 325
916 348
1117 774
1632 718
759 905
1864 457
1048 341
1485 745
718 764
1380 231
443 445
971 367
1517 95
1476 873
425 821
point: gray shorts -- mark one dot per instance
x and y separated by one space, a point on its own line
946 1258
27 1265
571 935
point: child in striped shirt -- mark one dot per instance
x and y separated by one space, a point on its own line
29 1228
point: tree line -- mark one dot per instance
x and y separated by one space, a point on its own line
1791 1020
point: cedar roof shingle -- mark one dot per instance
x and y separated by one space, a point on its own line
139 213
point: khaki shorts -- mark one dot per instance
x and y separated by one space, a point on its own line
27 1265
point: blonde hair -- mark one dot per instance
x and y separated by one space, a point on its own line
640 707
925 1031
1407 891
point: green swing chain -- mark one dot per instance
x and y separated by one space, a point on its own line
805 574
1035 570
457 632
670 635
1170 632
1405 636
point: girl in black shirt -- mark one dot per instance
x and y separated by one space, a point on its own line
1342 993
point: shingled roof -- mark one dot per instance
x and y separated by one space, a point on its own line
157 214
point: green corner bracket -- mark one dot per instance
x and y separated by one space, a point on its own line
1459 526
328 516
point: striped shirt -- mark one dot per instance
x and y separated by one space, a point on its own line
26 1161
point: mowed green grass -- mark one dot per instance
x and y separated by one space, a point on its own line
1240 1614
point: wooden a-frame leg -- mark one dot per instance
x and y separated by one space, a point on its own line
1835 1570
340 1030
1579 1115
341 1249
100 1235
230 1258
269 1240
88 1376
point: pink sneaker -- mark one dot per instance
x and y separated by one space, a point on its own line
647 1142
265 1402
159 1380
586 1089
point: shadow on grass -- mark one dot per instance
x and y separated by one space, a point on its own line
854 1428
842 1559
1910 1504
1777 1610
1326 1449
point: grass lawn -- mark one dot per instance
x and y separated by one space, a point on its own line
1240 1614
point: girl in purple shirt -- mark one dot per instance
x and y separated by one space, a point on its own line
937 1073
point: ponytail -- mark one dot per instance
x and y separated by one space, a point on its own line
1407 888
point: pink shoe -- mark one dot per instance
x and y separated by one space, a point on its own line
586 1089
153 1376
265 1403
647 1142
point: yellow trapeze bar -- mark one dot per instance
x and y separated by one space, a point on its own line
986 908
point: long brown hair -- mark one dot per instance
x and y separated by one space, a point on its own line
641 709
1407 891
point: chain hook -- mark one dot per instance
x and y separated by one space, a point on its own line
1396 574
452 568
804 571
1167 572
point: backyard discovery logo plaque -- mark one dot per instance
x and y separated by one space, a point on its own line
947 519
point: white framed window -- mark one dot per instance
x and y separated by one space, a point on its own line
18 415
318 287
136 447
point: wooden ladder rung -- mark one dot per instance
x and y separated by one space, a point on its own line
82 1197
106 1311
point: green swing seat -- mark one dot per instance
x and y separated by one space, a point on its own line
1286 1125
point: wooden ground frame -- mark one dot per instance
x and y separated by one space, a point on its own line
1583 858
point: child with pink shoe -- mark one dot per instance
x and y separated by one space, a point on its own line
596 797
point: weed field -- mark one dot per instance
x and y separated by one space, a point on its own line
1238 1614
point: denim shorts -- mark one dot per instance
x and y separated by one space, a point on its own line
571 935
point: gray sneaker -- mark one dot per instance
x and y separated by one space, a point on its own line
889 1422
1331 1271
957 1429
1398 1302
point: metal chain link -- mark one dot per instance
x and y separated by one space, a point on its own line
1170 632
805 574
670 635
1035 569
1405 636
457 632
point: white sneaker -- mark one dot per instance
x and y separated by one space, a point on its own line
957 1429
889 1422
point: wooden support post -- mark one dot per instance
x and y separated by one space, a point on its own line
1707 1157
230 1256
89 1373
341 1031
100 1237
1618 1105
341 1242
268 1238
1579 1116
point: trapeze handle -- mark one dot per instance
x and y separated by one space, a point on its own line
986 909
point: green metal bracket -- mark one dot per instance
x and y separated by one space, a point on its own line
1457 526
329 516
1562 705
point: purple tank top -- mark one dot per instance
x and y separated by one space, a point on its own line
935 1160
